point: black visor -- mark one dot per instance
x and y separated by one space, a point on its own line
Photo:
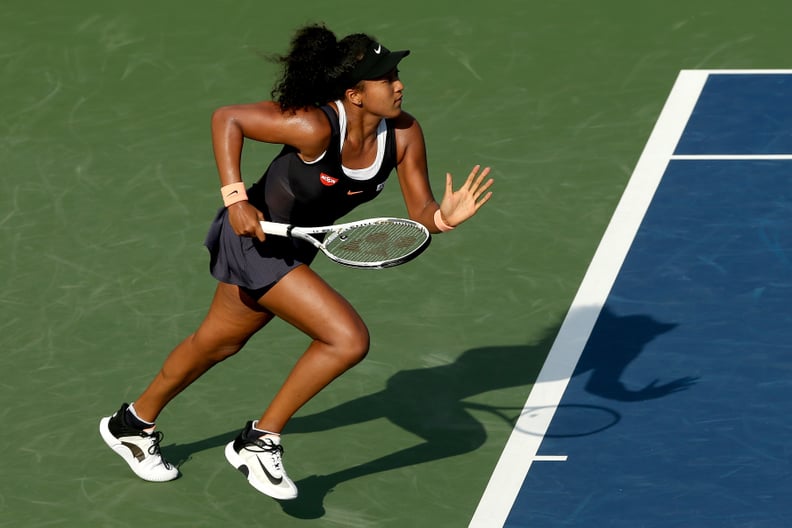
377 62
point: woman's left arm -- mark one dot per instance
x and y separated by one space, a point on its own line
412 168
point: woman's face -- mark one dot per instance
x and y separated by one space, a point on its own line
383 96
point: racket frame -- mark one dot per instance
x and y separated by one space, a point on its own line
306 234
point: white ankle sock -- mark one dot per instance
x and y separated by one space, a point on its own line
149 425
263 432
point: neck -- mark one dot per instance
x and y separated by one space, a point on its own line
361 125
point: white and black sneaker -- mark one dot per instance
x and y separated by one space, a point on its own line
260 459
139 449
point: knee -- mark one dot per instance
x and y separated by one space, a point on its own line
224 352
351 343
215 350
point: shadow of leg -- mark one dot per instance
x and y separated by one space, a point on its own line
440 444
179 454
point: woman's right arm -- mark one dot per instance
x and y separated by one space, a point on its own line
265 121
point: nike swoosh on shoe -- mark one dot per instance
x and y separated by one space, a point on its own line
274 480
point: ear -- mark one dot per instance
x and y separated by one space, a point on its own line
354 96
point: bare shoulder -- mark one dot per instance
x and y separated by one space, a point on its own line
409 136
313 118
306 129
312 131
406 122
306 123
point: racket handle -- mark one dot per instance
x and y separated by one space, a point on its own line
275 228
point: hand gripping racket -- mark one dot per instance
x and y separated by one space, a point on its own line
371 243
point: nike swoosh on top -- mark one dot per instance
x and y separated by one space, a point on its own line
350 193
378 50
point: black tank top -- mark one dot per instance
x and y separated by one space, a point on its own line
318 193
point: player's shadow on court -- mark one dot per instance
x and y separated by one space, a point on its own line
431 402
613 345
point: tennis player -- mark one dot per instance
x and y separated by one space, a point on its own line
337 111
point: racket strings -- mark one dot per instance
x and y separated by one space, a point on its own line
376 242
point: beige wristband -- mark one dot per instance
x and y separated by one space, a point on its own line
440 223
233 193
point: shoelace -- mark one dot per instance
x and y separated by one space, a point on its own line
154 449
275 450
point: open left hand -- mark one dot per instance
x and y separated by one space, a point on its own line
458 206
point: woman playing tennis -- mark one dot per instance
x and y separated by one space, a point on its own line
337 111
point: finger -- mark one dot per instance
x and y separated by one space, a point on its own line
483 188
449 188
259 232
472 175
483 175
484 200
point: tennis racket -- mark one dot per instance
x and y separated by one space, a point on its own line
372 243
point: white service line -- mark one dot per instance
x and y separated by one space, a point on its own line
731 157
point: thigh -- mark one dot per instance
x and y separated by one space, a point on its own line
233 317
303 299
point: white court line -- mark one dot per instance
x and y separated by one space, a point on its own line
521 448
731 157
550 458
742 72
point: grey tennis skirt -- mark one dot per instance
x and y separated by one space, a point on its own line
253 265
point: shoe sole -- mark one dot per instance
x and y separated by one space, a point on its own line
125 453
240 465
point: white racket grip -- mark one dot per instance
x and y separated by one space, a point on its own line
275 228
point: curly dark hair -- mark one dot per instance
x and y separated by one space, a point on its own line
316 68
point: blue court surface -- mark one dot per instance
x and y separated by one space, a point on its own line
665 400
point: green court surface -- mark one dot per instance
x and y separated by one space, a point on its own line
107 187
